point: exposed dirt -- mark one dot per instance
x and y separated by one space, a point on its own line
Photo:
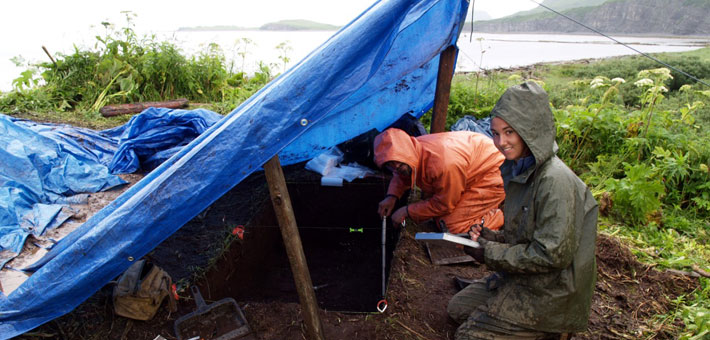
627 294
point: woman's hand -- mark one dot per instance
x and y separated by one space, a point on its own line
478 231
475 232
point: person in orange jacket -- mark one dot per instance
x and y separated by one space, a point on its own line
457 172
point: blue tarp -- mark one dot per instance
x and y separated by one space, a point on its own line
375 69
155 135
46 166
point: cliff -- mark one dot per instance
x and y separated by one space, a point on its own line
632 17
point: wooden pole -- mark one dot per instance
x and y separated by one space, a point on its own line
50 56
443 89
292 240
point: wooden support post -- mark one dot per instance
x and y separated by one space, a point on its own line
292 240
443 89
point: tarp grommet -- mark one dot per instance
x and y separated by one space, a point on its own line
304 122
130 258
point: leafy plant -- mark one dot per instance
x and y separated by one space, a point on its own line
284 48
638 195
124 67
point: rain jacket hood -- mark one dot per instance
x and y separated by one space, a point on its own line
397 145
526 108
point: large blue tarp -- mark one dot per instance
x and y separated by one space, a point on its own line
380 66
45 166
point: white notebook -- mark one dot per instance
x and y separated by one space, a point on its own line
446 237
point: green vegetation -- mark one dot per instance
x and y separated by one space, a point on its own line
126 68
634 131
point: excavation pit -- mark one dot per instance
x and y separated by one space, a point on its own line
341 234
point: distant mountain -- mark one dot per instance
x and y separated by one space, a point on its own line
478 16
297 25
481 15
215 28
561 5
634 17
283 25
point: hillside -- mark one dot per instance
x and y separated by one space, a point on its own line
639 17
560 5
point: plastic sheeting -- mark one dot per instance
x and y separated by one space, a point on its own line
45 167
371 72
471 123
155 135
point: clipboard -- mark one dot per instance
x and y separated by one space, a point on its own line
446 238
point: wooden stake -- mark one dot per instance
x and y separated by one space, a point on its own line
292 240
443 89
50 56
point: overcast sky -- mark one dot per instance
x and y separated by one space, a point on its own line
27 25
35 16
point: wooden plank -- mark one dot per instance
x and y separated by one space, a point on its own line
115 110
443 254
294 249
443 89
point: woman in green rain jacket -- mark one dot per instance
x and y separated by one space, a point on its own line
544 257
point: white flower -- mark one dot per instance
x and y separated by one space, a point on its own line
597 82
644 82
663 72
618 80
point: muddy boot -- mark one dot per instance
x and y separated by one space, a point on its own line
462 283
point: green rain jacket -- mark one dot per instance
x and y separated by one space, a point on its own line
548 258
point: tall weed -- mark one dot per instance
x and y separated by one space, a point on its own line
124 67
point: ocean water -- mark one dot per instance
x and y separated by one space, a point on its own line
245 50
486 51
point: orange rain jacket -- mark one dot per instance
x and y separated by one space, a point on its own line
458 173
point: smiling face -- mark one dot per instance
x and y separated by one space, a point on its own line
508 141
401 169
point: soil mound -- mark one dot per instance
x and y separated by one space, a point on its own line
628 294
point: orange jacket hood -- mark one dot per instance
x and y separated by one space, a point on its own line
397 145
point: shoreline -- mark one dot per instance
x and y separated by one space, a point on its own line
625 35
